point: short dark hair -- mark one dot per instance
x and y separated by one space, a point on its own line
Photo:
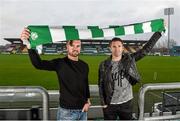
70 42
115 39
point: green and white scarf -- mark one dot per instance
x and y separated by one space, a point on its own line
43 34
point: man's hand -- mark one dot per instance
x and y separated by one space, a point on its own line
86 106
25 36
104 106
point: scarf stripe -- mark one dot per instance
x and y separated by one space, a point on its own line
48 34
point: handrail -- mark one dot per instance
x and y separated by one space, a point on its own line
155 86
28 89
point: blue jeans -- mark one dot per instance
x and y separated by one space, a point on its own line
71 114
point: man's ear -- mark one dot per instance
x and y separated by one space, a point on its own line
67 44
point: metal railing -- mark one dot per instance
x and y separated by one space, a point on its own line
156 86
29 89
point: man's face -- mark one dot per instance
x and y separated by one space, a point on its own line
116 48
74 48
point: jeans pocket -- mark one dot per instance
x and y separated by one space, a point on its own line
83 116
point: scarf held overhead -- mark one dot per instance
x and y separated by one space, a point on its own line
42 34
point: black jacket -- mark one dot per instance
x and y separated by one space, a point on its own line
105 83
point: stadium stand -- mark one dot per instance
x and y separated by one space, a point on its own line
175 51
89 47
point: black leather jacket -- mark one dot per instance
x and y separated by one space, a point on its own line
105 83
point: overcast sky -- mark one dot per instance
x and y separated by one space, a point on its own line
16 14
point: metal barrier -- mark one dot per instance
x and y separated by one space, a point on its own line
28 89
157 86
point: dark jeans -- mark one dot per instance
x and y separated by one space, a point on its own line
123 111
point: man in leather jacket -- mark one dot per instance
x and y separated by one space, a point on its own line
117 74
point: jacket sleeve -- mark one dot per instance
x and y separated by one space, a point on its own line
41 64
147 47
101 84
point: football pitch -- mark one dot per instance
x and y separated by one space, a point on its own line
17 70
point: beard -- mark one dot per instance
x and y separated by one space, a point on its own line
74 53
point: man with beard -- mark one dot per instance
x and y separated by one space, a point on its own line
72 75
117 74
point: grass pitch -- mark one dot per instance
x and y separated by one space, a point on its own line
17 70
